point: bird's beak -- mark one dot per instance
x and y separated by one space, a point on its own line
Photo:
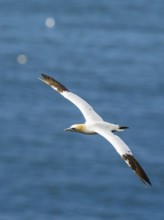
68 129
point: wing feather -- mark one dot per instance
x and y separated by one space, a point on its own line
124 152
87 111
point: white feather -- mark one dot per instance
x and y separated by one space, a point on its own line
120 146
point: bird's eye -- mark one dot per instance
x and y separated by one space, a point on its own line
73 129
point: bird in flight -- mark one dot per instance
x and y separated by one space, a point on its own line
94 124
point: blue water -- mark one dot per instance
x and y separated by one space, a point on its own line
109 52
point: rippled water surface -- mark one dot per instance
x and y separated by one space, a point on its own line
109 52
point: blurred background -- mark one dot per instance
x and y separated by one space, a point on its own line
111 53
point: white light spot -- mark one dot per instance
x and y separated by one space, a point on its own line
22 59
50 22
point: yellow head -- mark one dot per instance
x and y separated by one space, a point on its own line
81 128
77 128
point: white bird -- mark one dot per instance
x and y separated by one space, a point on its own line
96 125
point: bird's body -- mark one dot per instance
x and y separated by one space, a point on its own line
96 125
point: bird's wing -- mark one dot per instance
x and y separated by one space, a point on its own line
124 152
87 111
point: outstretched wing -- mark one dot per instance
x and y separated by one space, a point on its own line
87 111
124 152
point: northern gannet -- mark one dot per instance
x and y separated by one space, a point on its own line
96 125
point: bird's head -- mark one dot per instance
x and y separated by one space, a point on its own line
76 128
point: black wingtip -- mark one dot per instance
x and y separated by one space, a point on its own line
53 83
136 167
43 75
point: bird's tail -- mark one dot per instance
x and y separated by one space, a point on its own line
122 128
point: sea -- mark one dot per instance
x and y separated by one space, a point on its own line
109 52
